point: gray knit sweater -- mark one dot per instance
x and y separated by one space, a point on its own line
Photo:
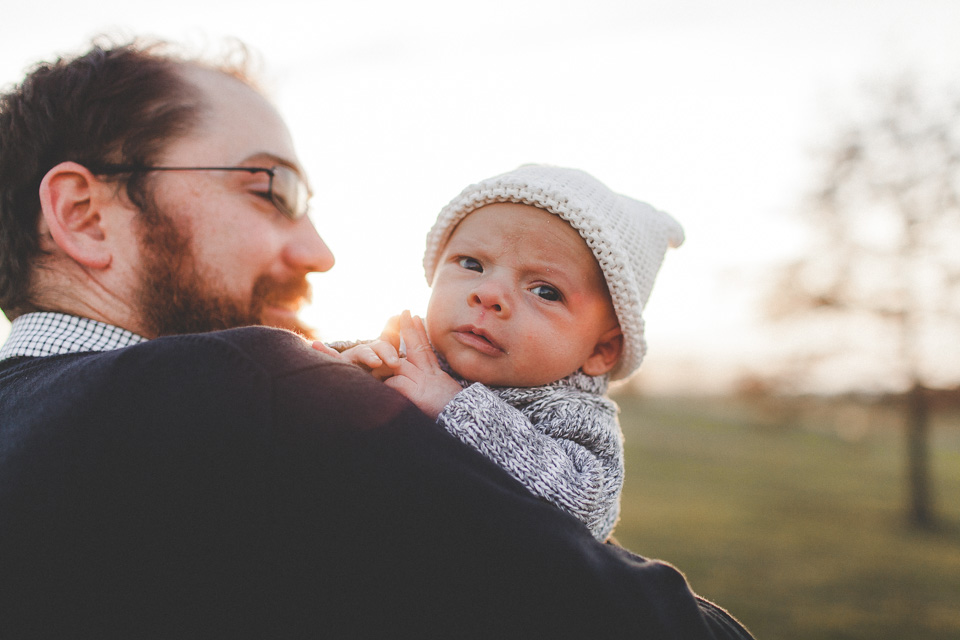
561 440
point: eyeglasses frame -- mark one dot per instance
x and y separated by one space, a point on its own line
282 207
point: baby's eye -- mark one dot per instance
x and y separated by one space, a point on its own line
471 264
546 292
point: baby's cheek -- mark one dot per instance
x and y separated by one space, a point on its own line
433 332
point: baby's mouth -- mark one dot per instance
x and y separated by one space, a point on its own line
478 339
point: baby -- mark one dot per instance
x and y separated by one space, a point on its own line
539 278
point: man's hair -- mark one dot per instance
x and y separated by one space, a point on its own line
114 104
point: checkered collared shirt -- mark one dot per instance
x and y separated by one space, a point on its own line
48 334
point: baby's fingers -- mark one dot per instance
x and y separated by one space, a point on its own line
323 348
391 331
386 353
419 351
367 357
361 355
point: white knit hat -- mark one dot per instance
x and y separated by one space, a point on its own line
629 238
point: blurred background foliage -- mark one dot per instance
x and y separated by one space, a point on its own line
788 511
879 279
809 507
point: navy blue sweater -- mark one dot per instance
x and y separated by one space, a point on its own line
240 484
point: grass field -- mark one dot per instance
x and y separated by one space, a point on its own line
794 519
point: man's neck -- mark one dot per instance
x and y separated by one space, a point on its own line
97 308
62 286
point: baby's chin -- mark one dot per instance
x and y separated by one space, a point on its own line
500 379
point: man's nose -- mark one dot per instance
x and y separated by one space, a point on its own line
306 251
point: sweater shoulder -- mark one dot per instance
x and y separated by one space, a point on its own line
268 350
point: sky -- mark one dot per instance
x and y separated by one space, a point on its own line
708 110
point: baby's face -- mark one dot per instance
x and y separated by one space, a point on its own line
519 300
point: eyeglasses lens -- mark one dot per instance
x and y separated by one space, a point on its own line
290 193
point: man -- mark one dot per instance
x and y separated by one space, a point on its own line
166 474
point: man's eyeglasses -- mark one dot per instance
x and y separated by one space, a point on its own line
287 190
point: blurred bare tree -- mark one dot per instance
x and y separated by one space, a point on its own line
884 217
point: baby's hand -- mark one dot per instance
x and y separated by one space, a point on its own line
419 376
379 357
323 348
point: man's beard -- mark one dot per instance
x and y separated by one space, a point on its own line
175 298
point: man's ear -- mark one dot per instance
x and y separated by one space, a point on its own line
605 354
70 204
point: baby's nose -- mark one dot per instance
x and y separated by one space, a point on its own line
491 294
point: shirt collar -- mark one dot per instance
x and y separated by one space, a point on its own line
44 333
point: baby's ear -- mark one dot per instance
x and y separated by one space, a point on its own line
605 354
